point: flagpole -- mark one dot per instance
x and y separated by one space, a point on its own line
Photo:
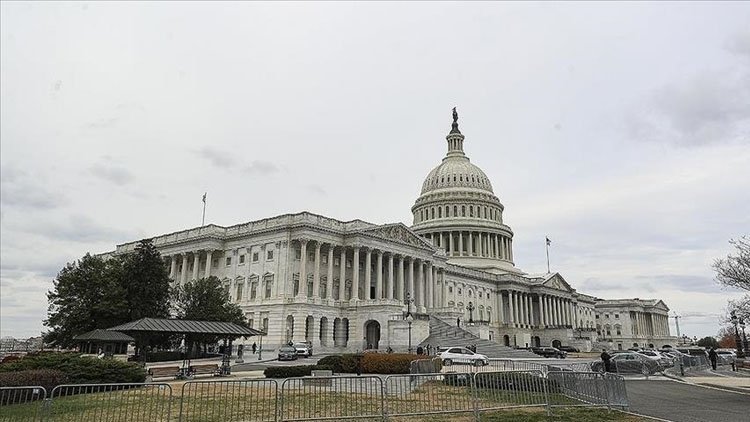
546 243
203 220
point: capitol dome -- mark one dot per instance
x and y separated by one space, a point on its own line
458 211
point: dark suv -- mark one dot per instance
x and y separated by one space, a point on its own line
549 352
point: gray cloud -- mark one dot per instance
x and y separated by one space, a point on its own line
651 284
78 228
112 173
261 167
21 190
217 157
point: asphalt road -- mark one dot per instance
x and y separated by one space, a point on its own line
681 402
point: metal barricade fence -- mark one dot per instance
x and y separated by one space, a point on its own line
516 365
567 388
22 403
227 401
337 398
425 366
616 391
105 402
507 389
422 394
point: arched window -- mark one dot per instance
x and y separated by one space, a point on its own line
471 211
440 212
463 210
455 210
433 213
447 208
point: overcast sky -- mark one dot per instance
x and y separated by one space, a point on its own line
619 130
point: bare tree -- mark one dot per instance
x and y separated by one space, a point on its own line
734 270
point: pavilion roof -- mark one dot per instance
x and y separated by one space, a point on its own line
180 326
104 335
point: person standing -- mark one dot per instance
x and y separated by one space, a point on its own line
606 359
254 347
712 356
458 322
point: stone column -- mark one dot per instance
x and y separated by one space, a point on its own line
511 317
207 274
400 281
499 304
302 286
429 290
316 271
342 274
420 285
410 274
355 274
391 281
329 274
379 276
172 266
183 273
471 245
368 275
526 313
460 243
444 285
196 264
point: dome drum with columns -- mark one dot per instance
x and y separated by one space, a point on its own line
458 212
348 285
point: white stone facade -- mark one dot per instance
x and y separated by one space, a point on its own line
344 285
626 323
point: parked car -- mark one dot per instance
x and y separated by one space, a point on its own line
463 355
569 349
629 363
726 357
304 349
287 353
659 358
549 352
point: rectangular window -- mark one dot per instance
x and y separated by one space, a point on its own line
311 256
617 316
348 263
215 263
242 259
255 256
269 284
250 323
450 289
619 332
253 290
324 258
229 261
239 292
606 315
297 254
337 261
269 255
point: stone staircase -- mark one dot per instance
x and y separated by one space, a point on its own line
443 334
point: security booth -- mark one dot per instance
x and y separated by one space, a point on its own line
103 341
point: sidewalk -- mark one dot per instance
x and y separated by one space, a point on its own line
738 381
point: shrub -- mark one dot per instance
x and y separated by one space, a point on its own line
47 378
80 370
293 371
376 363
340 364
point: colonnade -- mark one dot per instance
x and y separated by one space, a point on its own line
374 275
187 258
536 310
649 324
473 243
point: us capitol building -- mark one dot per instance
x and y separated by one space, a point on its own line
351 285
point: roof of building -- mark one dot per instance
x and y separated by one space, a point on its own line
179 326
104 335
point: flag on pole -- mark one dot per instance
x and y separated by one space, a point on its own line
204 201
549 242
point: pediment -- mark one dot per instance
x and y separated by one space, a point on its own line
557 282
398 233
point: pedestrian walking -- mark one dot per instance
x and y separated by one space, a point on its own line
712 356
254 347
458 322
606 358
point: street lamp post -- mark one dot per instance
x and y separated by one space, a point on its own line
744 337
470 308
409 318
737 340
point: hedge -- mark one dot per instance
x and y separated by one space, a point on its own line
47 378
372 363
78 369
292 371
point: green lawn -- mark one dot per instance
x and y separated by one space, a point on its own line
232 402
